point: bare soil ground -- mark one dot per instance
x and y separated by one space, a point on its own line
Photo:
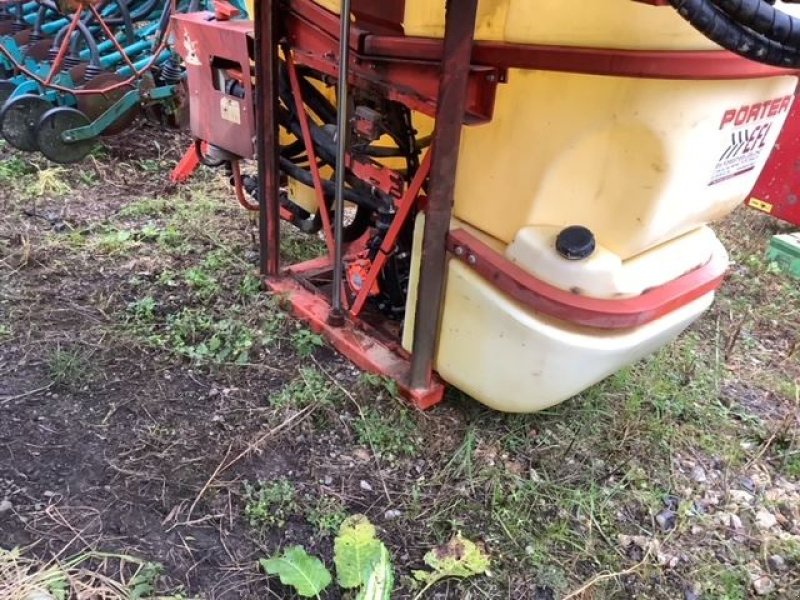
155 404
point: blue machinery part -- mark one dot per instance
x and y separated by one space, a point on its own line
67 78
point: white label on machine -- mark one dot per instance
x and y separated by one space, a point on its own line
190 54
747 131
230 110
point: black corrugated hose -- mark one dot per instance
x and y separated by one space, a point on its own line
754 29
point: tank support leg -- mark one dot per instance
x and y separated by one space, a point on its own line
458 42
267 37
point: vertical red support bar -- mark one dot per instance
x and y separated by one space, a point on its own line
458 41
267 37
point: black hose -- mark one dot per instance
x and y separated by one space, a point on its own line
763 18
82 31
721 28
305 177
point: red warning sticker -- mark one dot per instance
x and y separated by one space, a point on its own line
748 131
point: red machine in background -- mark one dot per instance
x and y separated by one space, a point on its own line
777 191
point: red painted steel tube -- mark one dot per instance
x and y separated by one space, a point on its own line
266 41
451 106
309 144
406 204
62 52
609 314
238 188
110 35
655 64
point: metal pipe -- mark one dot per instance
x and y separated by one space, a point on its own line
267 34
458 41
336 317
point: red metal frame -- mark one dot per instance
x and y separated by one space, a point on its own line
267 36
312 32
622 313
309 144
187 165
677 64
409 200
362 345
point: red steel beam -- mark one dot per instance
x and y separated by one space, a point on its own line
450 108
600 313
266 40
667 64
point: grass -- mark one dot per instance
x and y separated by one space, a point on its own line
550 494
392 433
69 368
198 335
49 182
86 575
310 387
13 168
305 342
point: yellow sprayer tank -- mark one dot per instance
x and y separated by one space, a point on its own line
644 163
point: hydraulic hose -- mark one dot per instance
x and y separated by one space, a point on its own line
763 18
728 32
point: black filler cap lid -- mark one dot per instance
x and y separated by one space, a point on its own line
575 243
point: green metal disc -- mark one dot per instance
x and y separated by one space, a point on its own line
19 118
49 135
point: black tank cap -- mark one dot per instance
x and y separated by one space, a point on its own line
575 243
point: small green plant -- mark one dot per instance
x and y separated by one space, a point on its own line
269 504
148 233
168 279
296 568
306 342
362 563
309 387
459 558
87 177
364 566
142 311
391 433
250 287
12 168
200 336
204 285
380 382
150 165
729 584
69 368
5 331
791 467
218 260
116 241
147 207
327 514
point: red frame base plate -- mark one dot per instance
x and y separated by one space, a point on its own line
365 350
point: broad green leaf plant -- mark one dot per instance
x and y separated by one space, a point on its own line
298 569
363 564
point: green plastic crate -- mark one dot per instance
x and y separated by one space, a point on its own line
785 251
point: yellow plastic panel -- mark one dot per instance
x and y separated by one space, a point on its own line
634 160
593 23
